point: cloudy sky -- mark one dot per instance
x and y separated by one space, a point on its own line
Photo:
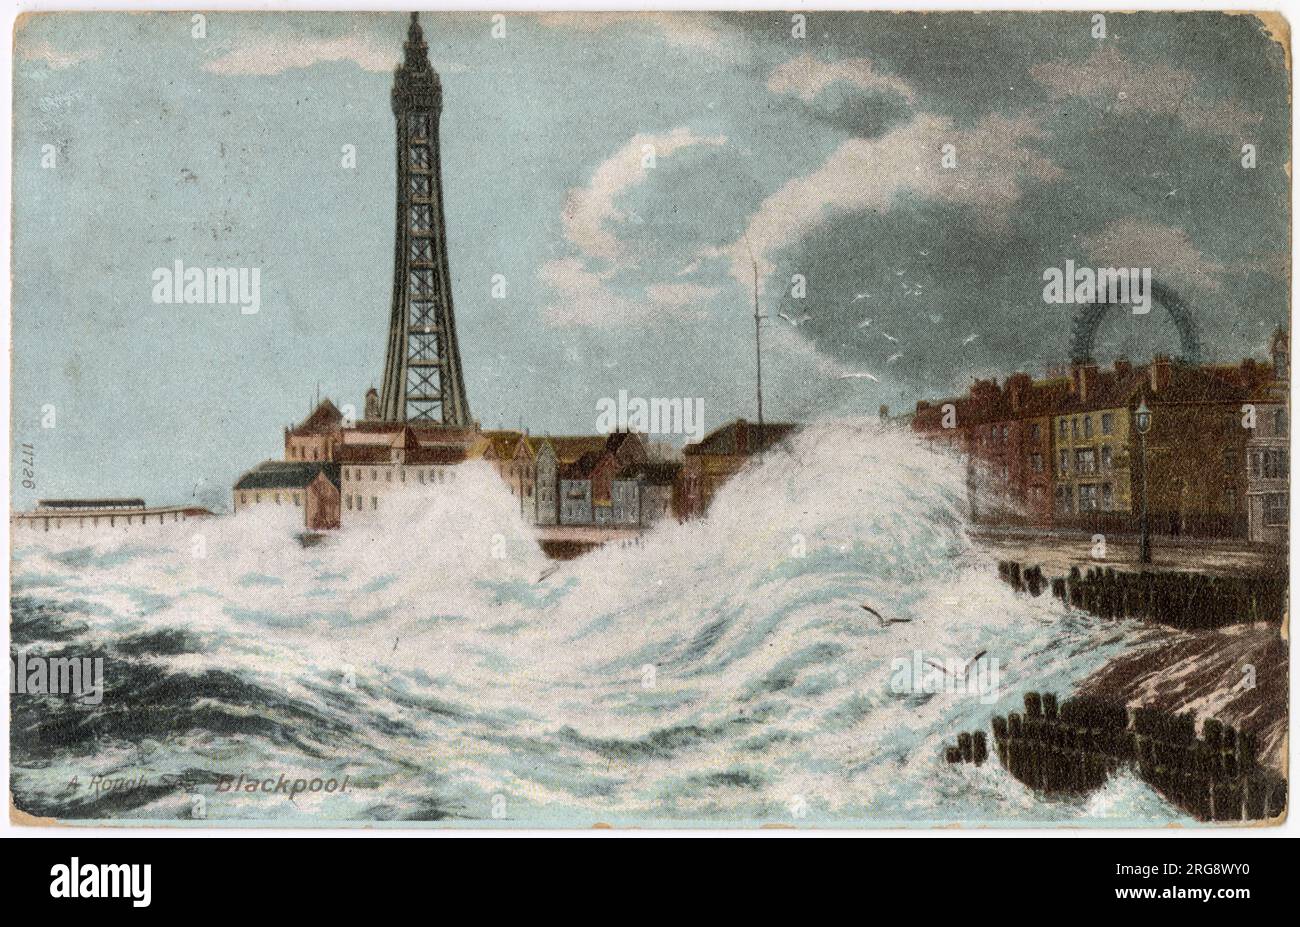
822 156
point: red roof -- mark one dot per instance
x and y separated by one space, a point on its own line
324 418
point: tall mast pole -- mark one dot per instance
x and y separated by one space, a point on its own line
758 357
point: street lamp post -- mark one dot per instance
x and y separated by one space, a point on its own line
1143 422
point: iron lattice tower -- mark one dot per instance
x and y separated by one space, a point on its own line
422 373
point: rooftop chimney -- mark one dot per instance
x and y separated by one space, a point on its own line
1083 378
1280 349
1161 372
1018 388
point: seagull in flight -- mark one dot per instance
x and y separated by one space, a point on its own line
864 323
965 670
862 296
858 376
889 336
969 338
796 322
884 622
894 357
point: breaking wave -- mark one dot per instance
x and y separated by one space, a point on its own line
720 673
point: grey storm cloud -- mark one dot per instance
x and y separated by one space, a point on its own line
1135 160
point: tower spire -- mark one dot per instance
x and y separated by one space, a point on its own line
416 49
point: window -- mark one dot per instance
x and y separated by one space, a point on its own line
243 498
1275 463
373 475
419 157
1036 462
348 502
1279 422
374 502
1035 433
1074 428
1108 423
1106 461
1275 506
297 498
1230 460
1087 497
420 185
1063 500
419 125
1085 461
1087 426
1063 462
1255 465
1061 430
1107 498
388 475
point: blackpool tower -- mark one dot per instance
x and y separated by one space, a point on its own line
422 375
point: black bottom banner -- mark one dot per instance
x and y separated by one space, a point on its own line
330 876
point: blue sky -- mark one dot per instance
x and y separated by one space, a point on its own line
820 155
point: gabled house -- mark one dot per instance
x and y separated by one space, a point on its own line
642 493
553 460
718 457
316 436
314 488
575 491
514 455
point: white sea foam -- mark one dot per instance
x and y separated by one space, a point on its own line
723 671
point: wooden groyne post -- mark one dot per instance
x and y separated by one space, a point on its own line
1181 599
1075 747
